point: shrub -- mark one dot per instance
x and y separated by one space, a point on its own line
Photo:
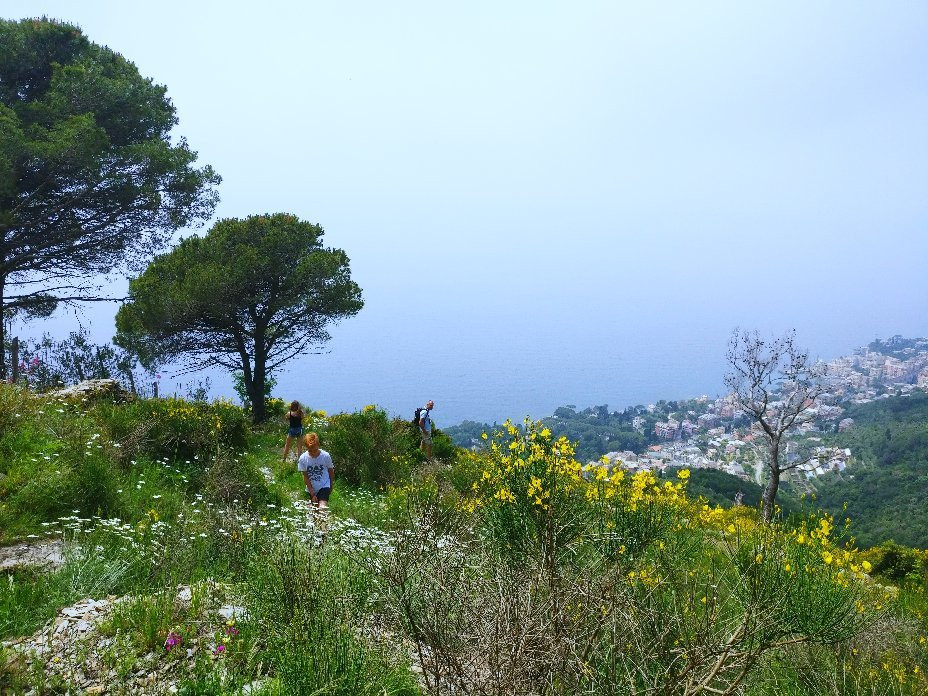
275 408
46 495
28 598
611 582
233 479
899 563
368 448
529 495
95 487
443 447
175 428
17 405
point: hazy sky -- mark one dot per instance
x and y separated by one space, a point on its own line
536 196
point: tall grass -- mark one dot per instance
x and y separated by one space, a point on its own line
312 606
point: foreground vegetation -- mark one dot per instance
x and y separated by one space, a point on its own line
515 570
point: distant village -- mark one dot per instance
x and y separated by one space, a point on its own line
715 434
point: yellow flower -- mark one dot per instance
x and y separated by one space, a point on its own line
759 558
505 495
787 567
683 474
827 557
867 567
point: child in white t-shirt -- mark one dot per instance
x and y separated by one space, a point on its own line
318 470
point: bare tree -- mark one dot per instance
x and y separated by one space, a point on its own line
776 384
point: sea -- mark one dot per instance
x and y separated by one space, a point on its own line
485 366
473 378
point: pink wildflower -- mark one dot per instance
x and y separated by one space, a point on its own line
173 640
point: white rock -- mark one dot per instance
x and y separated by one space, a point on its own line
231 611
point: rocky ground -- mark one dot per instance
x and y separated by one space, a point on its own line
48 553
75 649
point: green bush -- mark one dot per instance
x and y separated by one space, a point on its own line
175 428
899 563
443 446
368 448
17 405
275 408
28 598
94 491
73 479
231 479
46 495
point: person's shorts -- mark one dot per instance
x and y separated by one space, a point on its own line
426 438
295 432
324 493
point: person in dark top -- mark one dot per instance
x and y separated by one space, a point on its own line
294 420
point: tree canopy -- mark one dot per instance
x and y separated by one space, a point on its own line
248 296
90 179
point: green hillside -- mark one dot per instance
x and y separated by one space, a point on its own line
886 490
194 563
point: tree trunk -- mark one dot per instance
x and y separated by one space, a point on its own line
258 376
770 492
14 358
258 382
256 394
2 332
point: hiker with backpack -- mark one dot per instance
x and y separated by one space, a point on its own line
423 421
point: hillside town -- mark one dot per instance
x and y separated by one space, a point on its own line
716 434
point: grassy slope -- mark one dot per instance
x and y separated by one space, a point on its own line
185 498
886 492
168 488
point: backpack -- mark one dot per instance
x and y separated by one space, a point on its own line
415 421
